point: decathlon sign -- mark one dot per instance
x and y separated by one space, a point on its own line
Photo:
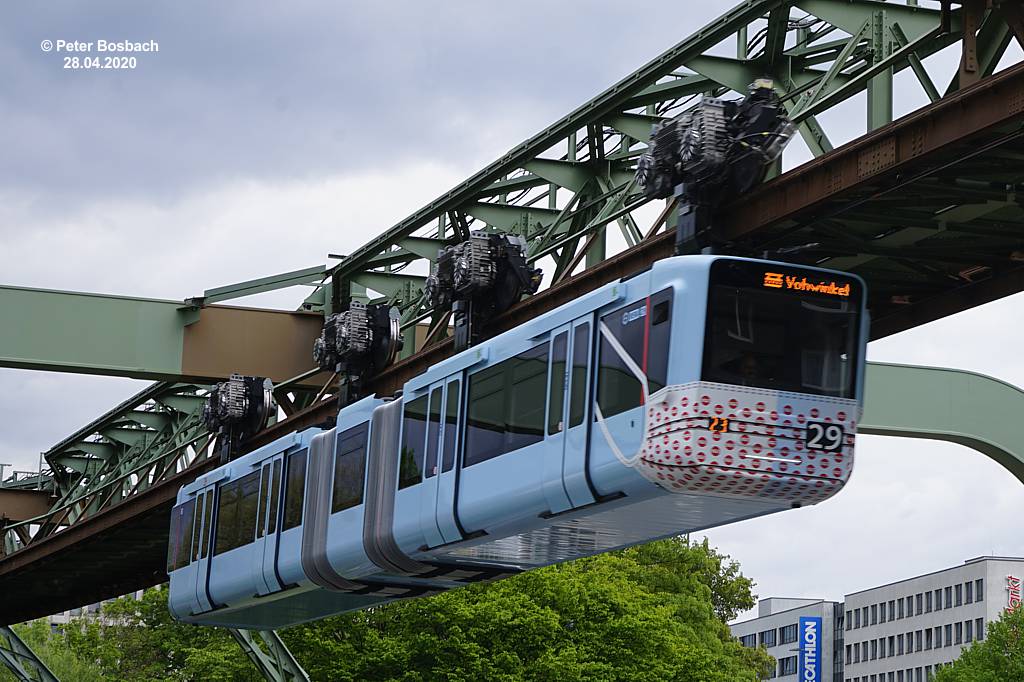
809 662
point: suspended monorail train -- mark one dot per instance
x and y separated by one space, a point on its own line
699 392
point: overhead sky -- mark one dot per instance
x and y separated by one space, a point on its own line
263 136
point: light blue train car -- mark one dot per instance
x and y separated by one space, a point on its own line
702 391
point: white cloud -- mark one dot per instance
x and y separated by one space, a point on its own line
239 231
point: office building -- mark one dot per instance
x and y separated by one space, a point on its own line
900 632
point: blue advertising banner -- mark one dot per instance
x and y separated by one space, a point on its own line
809 661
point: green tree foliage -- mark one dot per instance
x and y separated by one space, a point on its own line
997 658
649 613
653 612
140 642
52 650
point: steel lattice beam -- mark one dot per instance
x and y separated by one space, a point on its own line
562 188
270 655
19 658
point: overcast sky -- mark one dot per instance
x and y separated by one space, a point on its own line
263 136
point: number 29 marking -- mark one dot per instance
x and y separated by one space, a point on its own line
824 436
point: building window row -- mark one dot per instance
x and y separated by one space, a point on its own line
918 674
948 597
769 638
961 632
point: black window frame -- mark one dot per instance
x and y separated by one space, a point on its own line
351 447
579 382
450 434
430 458
411 452
236 525
717 365
646 337
504 393
294 482
275 495
197 538
558 358
176 557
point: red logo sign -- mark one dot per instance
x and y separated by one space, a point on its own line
1013 593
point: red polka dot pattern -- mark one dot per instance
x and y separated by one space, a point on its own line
761 455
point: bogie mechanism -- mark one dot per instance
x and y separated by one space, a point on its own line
710 154
236 409
479 279
357 344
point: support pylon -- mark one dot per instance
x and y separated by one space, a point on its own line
21 660
273 659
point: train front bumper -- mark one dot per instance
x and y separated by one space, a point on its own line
737 441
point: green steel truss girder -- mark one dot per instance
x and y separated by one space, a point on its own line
270 655
562 187
952 405
21 660
155 434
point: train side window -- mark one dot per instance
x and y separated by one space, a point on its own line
618 389
182 517
295 485
506 406
236 513
526 396
580 374
556 395
196 523
660 306
261 511
451 420
247 503
350 468
275 494
642 330
227 517
414 424
433 430
207 525
485 422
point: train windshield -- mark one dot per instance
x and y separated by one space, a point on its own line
782 328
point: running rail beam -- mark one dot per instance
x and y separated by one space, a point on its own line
21 660
276 666
67 331
978 411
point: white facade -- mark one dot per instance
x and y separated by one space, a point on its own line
901 632
776 628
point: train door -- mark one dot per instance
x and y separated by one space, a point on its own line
445 511
428 499
264 556
578 413
554 489
202 528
